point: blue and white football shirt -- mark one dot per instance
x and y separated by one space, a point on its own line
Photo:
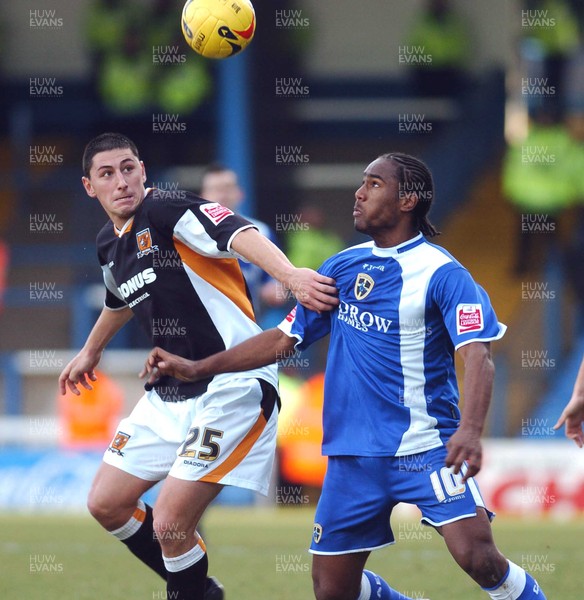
390 382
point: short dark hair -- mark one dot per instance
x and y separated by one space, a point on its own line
215 167
103 143
414 176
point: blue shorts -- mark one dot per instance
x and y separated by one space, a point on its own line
359 493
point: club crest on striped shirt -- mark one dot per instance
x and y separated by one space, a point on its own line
144 241
363 286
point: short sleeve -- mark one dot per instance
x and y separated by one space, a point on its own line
206 227
307 326
465 307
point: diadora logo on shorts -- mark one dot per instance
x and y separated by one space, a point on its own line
119 442
469 317
144 241
363 286
137 282
362 320
215 212
291 315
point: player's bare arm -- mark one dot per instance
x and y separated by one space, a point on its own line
311 289
573 413
263 349
81 368
479 373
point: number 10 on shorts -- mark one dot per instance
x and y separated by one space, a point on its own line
210 448
446 483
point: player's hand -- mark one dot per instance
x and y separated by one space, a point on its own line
313 290
573 417
160 362
464 446
78 372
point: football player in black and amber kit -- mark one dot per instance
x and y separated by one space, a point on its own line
170 259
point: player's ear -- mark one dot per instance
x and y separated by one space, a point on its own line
143 171
409 201
88 187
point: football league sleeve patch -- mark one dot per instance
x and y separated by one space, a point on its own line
191 231
466 309
205 227
220 223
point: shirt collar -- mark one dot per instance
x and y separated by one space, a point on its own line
399 249
126 227
128 224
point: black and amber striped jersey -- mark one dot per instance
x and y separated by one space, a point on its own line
172 264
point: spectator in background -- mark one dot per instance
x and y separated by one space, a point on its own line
141 62
88 420
551 39
106 25
180 85
440 45
573 414
126 74
538 179
220 184
181 79
312 244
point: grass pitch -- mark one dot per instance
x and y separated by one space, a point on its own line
260 554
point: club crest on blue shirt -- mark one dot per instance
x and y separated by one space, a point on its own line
317 532
144 241
363 286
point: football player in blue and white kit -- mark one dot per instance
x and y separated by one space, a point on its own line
393 430
170 260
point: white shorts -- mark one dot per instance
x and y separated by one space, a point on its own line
226 435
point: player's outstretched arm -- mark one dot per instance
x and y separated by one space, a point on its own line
263 349
81 368
313 290
479 373
573 413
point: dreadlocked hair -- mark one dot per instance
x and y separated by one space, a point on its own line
415 178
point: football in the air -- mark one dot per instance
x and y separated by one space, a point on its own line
218 28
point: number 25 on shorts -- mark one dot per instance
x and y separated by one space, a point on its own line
209 447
